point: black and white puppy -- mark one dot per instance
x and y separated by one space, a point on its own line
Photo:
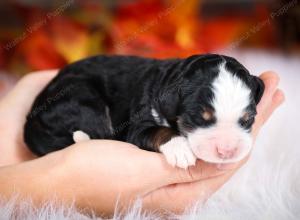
199 107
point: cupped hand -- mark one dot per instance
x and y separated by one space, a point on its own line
201 187
13 110
97 173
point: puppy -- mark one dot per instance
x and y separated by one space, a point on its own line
199 107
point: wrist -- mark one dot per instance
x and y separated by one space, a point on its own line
53 179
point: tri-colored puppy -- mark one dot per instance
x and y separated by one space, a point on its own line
199 107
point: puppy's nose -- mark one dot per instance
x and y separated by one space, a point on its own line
226 152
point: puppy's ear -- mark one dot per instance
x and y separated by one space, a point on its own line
258 88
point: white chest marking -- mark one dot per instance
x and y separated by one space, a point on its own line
160 121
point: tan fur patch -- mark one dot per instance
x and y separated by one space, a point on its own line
162 136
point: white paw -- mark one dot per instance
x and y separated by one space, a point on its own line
79 136
178 153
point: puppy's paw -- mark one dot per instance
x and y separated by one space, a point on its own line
178 152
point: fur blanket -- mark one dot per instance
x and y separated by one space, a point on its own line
267 187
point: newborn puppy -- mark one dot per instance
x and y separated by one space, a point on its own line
199 107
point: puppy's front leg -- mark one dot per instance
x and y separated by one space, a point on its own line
178 152
165 140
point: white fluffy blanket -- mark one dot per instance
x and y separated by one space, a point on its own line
267 187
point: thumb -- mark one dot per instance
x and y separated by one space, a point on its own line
25 91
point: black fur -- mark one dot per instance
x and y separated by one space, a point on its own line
79 97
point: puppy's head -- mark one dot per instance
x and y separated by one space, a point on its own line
218 108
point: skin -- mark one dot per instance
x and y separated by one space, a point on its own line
79 173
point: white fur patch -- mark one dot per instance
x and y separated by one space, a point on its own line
231 97
107 113
178 152
79 136
160 121
165 123
155 115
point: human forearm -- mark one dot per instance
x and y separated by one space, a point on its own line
80 174
34 179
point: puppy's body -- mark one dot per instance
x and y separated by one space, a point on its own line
151 103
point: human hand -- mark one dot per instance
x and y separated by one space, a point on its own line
101 170
13 110
135 173
197 189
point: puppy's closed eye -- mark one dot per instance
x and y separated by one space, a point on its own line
245 117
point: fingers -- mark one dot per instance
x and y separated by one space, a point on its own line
278 98
271 100
201 171
271 81
189 186
15 106
28 88
18 101
270 76
167 174
177 197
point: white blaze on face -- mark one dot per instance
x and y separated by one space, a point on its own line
225 141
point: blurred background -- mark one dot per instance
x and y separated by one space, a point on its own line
41 34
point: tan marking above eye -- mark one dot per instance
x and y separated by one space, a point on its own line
207 115
246 116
